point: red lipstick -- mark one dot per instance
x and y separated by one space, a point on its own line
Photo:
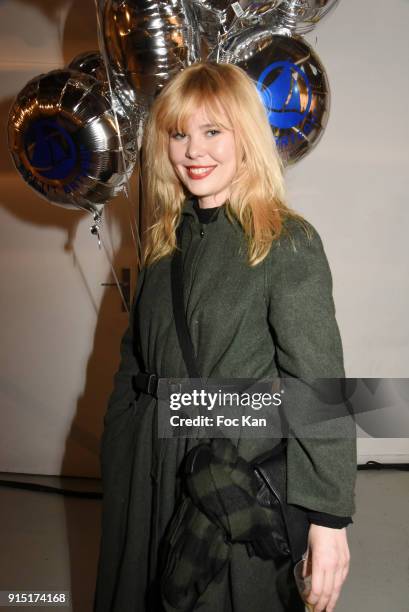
199 175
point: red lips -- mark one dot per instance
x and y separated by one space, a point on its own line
201 175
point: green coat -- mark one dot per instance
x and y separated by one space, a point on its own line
277 317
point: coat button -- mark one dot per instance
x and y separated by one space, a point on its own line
202 233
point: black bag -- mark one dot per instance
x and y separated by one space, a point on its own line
289 535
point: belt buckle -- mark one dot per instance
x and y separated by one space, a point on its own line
152 384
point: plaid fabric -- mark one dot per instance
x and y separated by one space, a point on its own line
218 508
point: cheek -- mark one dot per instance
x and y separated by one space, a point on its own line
174 153
174 158
225 151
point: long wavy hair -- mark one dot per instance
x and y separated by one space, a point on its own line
257 195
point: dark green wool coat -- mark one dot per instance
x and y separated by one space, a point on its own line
275 318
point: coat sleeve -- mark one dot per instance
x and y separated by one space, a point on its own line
123 393
321 468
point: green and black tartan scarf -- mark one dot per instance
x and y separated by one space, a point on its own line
218 508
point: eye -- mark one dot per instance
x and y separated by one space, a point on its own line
177 135
213 132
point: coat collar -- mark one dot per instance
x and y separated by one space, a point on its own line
188 209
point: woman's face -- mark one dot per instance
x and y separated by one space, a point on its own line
204 159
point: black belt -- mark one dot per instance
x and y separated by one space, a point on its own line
148 382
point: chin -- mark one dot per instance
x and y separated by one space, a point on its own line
200 192
195 190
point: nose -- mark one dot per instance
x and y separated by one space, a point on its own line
195 147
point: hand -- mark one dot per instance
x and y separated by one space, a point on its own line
328 563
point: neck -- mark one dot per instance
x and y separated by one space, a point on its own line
214 200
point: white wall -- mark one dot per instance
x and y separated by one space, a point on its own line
61 329
353 187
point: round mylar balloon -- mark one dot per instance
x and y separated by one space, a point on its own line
147 42
64 140
90 62
293 85
221 19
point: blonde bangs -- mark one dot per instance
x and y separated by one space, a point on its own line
184 101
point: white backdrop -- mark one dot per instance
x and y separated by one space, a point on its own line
61 329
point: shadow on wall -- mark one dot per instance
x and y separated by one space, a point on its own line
91 406
79 35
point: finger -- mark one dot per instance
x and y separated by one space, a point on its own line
336 591
317 583
326 591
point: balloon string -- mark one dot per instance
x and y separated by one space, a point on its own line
96 231
138 245
140 198
102 46
118 283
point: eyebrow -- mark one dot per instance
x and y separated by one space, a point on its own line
208 125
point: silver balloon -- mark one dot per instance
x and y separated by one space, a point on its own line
147 42
242 9
215 5
207 25
293 86
300 16
126 108
216 22
122 98
66 142
219 19
215 18
252 11
90 62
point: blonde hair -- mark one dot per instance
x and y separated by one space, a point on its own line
257 194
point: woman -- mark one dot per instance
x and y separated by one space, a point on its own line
258 299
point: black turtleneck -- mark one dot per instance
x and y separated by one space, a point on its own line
204 215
